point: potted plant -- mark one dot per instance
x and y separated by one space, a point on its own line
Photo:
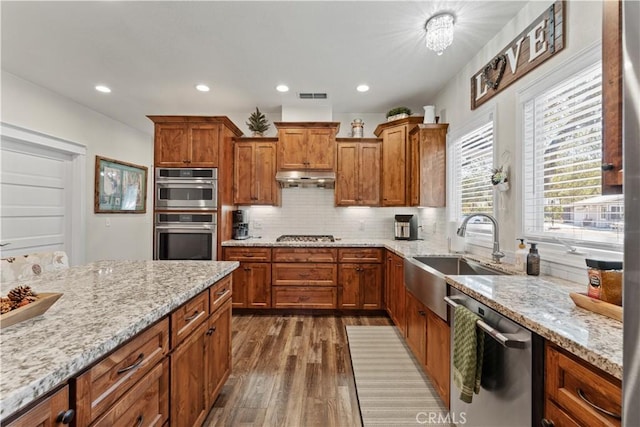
398 113
500 179
257 123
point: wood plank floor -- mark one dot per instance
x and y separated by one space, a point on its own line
290 370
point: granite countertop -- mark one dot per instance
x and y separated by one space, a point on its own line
541 303
104 304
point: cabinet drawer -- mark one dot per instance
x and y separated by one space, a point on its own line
98 388
188 317
359 255
219 293
557 416
247 254
302 274
305 255
304 297
579 389
146 404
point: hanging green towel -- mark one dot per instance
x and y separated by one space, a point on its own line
468 347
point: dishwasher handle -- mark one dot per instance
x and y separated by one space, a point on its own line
503 338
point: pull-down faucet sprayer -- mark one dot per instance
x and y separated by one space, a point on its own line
496 254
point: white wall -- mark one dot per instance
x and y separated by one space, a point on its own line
33 107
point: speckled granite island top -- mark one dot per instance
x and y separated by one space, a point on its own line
541 304
104 304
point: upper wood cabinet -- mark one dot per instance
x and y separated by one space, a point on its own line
428 166
307 146
254 171
189 141
395 158
358 172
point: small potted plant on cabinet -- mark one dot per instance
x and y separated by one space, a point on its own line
257 123
398 113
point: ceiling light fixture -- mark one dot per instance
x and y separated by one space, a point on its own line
202 87
439 32
103 89
282 88
362 88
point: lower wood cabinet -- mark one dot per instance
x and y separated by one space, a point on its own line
360 286
218 351
416 335
395 291
252 280
322 297
51 411
437 354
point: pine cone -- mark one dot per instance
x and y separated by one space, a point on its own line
5 305
21 292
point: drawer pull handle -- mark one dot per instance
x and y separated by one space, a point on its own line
132 366
66 417
140 420
222 292
193 316
596 407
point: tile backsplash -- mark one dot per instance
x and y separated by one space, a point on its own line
313 211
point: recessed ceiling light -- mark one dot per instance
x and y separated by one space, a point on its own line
282 88
103 89
202 87
362 88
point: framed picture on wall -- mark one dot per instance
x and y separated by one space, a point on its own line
120 187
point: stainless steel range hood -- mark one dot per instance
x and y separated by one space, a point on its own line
306 179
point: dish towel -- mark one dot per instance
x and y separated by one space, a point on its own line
468 348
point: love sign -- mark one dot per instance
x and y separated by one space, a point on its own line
537 43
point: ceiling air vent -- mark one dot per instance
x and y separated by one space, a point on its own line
310 95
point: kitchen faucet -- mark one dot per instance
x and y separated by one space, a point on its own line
497 254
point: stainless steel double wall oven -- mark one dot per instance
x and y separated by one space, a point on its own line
186 217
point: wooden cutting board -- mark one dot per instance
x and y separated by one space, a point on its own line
597 306
36 308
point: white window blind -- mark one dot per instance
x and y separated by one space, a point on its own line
473 161
562 159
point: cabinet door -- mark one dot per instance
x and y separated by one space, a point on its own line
371 286
258 285
241 280
416 327
243 173
171 148
369 174
399 291
433 167
189 394
389 299
394 157
347 175
349 286
437 355
415 183
204 140
266 187
321 149
292 149
45 414
218 351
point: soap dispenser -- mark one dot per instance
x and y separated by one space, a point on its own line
521 256
533 261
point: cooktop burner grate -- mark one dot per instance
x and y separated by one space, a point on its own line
305 238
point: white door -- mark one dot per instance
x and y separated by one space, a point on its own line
38 197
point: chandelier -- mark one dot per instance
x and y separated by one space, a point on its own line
439 32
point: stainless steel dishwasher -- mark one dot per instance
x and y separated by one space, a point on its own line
511 392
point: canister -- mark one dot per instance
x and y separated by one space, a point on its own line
605 280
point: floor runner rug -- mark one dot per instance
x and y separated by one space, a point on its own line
392 389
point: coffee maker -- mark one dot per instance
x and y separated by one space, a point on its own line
406 227
240 225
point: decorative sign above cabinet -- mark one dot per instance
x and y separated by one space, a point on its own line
537 43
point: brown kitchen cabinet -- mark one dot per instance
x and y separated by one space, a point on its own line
360 278
51 411
395 291
358 172
428 149
395 160
218 351
252 280
437 354
416 335
578 393
307 145
254 171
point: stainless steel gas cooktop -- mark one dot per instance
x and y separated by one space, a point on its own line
304 238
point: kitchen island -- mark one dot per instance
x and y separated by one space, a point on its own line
104 304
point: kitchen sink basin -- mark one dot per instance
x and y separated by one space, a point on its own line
424 277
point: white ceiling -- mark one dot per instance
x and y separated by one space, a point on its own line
151 54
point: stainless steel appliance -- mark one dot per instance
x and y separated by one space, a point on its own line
305 238
186 188
304 179
185 236
511 392
406 227
240 225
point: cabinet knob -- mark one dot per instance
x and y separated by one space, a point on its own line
547 423
607 167
66 417
422 313
210 331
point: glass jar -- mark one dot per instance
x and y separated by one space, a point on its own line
605 280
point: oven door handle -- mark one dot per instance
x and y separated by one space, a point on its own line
184 227
190 183
503 338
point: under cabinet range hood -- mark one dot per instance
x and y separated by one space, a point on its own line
306 179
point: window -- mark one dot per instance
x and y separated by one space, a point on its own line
562 159
472 191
